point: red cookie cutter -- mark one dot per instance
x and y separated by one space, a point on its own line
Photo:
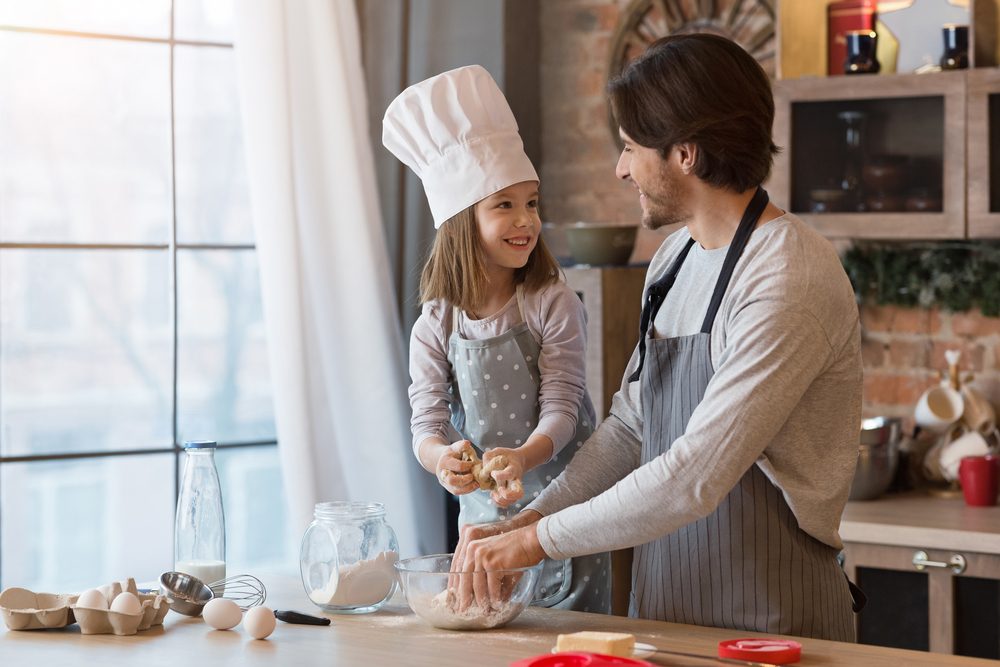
774 651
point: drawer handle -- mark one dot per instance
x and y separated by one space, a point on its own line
956 563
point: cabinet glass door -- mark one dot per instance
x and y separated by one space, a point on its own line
977 617
896 613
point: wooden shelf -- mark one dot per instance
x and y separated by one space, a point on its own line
920 520
935 226
797 96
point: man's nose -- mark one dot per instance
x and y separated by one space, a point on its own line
621 169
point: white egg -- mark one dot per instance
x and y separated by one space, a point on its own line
92 599
222 614
259 622
126 603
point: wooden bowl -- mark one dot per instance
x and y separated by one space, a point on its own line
886 173
600 244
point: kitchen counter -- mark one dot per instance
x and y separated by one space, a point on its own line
917 519
394 636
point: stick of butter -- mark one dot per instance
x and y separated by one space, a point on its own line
609 643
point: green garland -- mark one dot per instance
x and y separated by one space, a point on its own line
953 275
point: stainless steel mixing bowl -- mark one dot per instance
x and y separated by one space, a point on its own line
878 457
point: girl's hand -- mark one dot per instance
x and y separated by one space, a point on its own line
509 486
454 474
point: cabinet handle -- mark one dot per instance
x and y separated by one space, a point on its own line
956 563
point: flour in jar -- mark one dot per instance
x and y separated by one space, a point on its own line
359 584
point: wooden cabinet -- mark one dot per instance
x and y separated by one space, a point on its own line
931 570
918 120
984 153
942 600
613 298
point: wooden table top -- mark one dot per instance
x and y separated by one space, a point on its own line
920 520
395 636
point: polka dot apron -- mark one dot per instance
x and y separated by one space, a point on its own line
496 387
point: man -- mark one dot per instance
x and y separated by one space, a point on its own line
728 455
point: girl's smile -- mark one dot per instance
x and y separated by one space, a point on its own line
509 225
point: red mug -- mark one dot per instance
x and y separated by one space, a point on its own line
978 476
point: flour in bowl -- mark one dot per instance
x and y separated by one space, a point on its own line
441 611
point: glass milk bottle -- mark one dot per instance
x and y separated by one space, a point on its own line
200 525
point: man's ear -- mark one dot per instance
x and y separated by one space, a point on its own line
687 155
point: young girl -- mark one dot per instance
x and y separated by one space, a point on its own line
497 355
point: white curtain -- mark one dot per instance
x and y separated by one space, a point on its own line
334 341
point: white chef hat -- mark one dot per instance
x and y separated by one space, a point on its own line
458 134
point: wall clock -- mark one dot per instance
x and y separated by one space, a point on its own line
749 23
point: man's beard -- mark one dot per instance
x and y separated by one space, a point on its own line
664 202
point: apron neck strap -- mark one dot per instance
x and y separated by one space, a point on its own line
657 292
519 293
750 217
456 312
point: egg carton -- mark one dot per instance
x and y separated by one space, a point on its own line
25 610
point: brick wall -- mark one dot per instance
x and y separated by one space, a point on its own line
903 348
903 351
578 150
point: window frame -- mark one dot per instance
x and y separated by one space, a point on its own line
172 248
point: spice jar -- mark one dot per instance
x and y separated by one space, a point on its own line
861 47
347 557
956 46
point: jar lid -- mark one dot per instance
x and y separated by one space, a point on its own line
348 509
773 651
200 444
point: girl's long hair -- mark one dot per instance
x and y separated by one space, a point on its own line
456 268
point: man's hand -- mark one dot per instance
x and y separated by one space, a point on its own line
484 581
483 546
452 472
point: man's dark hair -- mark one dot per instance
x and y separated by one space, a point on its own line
706 90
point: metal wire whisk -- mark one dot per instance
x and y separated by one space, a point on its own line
245 590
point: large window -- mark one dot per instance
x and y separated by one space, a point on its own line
130 316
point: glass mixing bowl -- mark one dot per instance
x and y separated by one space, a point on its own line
425 584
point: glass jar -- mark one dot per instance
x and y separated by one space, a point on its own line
347 557
853 152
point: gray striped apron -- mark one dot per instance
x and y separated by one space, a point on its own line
496 388
747 565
